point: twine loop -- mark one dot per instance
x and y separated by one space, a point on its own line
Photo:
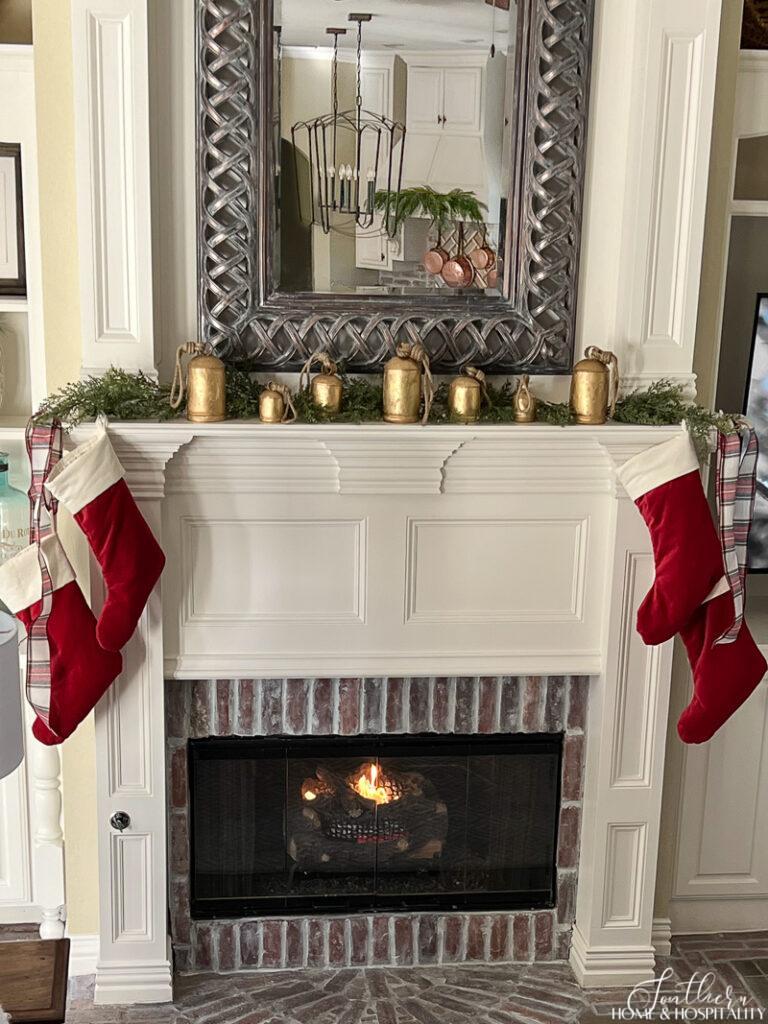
326 363
479 376
289 413
189 348
607 359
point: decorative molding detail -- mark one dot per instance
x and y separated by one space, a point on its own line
129 723
623 891
615 966
48 847
110 51
132 875
134 982
661 936
242 318
83 954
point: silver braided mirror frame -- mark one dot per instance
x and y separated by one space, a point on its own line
531 330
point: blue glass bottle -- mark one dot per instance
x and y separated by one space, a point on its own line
14 515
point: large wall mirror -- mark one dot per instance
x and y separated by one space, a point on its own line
392 169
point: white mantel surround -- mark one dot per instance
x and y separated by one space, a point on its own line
377 550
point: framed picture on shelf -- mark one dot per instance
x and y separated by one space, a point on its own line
756 410
13 276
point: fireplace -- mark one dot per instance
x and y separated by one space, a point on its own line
373 823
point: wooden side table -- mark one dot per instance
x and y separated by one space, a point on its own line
33 980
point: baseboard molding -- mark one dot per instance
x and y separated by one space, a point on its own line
83 954
721 914
134 982
610 966
661 936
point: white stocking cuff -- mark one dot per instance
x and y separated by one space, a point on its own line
21 584
658 465
85 473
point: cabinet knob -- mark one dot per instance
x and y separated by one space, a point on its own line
120 821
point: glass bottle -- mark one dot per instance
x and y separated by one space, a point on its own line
14 515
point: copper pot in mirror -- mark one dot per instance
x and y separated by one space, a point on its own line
458 271
436 258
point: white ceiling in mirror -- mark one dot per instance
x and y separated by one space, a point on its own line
398 24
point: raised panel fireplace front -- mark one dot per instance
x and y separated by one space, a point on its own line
340 824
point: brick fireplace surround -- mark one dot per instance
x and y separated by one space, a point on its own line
373 706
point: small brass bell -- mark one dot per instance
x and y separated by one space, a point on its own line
275 404
523 402
595 386
205 384
465 395
406 377
326 388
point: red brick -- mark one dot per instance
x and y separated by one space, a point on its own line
272 943
296 701
271 706
176 693
521 937
578 695
223 716
441 704
245 713
180 920
476 938
337 947
533 699
203 956
454 926
182 959
403 941
544 935
563 945
322 712
372 701
568 840
179 797
179 845
466 689
250 932
427 939
499 932
573 764
510 704
566 896
554 708
316 944
418 705
395 705
381 953
294 943
359 937
200 709
349 706
486 721
226 940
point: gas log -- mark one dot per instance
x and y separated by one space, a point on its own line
339 818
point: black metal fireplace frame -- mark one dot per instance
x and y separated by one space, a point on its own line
255 747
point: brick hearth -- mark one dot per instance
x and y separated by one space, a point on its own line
348 707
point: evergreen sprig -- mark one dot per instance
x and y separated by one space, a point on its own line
440 207
120 395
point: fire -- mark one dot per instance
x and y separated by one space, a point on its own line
369 786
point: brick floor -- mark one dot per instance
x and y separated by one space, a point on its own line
518 994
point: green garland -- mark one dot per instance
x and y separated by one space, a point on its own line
135 396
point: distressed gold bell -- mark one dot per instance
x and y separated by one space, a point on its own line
205 384
326 388
402 388
465 396
271 406
594 386
523 402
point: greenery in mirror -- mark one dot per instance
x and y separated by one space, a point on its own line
423 201
121 395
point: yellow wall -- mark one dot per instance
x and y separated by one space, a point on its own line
61 306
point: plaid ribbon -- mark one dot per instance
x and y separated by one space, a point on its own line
44 447
735 487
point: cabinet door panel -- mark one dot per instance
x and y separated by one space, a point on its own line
462 99
425 99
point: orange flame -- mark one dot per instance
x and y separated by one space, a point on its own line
369 786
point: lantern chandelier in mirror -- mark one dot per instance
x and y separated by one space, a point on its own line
413 176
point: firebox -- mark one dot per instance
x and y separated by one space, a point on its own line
372 822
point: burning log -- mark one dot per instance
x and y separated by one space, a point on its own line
340 818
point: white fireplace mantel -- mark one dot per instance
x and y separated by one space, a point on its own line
377 550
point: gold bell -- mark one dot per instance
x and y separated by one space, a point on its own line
326 388
205 384
595 386
275 404
523 402
406 377
465 395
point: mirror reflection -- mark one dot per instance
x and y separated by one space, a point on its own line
394 122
